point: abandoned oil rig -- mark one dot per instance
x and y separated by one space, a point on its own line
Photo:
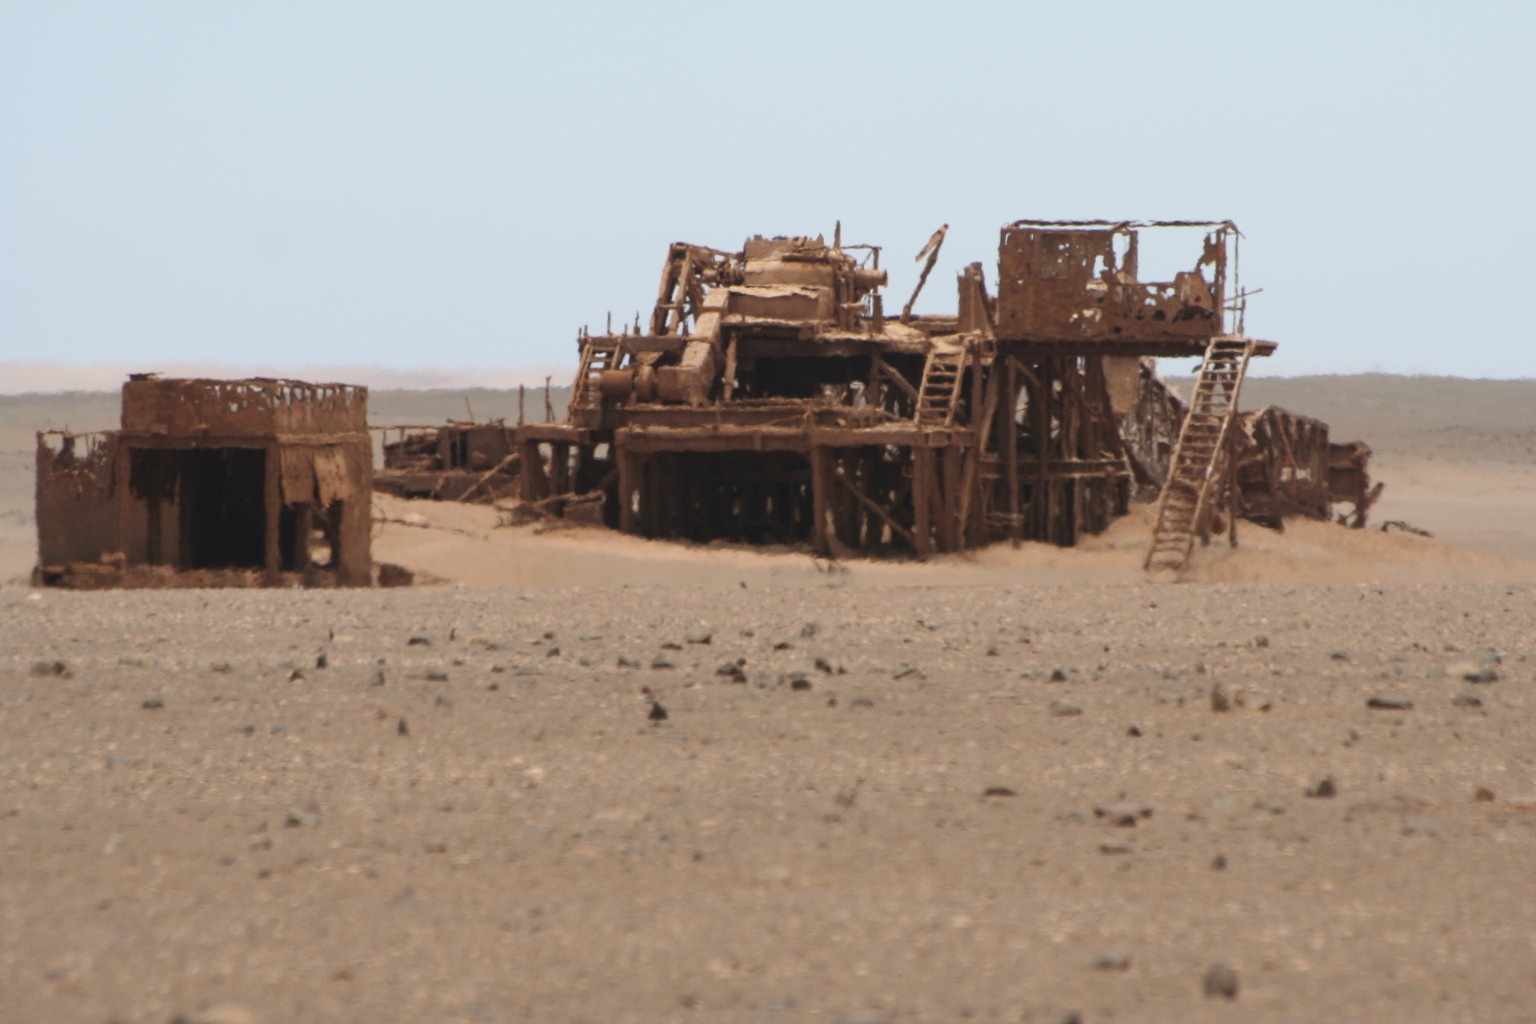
772 400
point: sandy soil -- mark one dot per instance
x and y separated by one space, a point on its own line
993 787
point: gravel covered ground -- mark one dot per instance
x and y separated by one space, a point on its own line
822 801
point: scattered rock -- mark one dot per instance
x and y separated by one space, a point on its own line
307 815
1122 813
1221 700
1388 702
401 729
809 630
56 669
1111 960
1466 700
783 645
1219 862
152 704
1483 795
699 636
1058 675
670 646
378 678
799 682
1473 672
823 665
1114 849
993 652
908 672
657 712
1261 641
296 676
444 701
628 662
1133 732
419 641
1324 789
1220 982
1339 655
437 677
998 791
661 661
322 661
1062 709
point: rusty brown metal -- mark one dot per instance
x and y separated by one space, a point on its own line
472 462
211 483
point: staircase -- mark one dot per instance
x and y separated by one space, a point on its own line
598 353
677 284
1197 470
939 393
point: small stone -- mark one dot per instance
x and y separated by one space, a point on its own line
1339 655
1123 813
322 661
699 636
1221 700
733 671
437 676
661 662
1388 702
670 646
51 668
1483 795
299 817
296 676
221 666
152 704
1062 709
997 791
1133 732
657 712
1466 700
553 652
783 645
1219 862
1114 849
1261 641
1324 789
378 678
823 665
1058 675
1111 960
444 701
908 672
809 630
799 682
628 662
419 641
401 729
993 652
1220 982
1473 672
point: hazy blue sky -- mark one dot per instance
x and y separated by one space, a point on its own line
422 185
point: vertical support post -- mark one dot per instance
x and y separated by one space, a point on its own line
273 494
627 481
1010 447
922 488
820 483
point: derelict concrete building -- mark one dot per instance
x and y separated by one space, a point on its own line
211 483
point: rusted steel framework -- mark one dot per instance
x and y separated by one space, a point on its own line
771 400
1286 466
211 483
474 462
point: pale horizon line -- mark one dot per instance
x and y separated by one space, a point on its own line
51 378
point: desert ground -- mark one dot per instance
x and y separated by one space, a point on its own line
586 777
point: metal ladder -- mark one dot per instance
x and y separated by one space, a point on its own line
1199 463
598 353
939 394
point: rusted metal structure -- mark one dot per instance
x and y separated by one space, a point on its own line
1285 466
770 398
211 483
473 462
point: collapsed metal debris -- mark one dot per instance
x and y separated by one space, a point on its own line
473 462
771 400
210 483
